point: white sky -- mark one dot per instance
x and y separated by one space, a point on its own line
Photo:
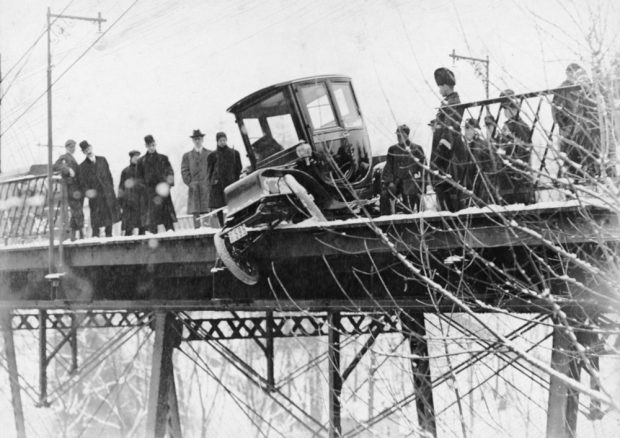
170 66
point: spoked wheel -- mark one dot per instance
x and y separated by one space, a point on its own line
241 267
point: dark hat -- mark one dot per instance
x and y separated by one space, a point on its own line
197 134
69 142
489 120
508 103
133 153
148 139
432 123
84 145
472 123
403 128
220 135
573 67
444 76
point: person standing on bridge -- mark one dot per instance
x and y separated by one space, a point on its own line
131 197
447 146
514 182
194 174
154 171
223 169
98 186
576 114
481 169
67 165
403 174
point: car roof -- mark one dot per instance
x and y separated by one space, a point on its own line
258 95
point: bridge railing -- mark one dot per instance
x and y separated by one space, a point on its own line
24 208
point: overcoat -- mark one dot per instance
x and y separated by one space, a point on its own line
402 170
97 184
131 198
194 174
223 169
155 173
75 196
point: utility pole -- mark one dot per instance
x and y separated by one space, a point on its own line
476 62
50 143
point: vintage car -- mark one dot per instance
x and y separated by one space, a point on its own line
310 158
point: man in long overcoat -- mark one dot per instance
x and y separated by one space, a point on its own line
67 165
223 169
482 167
447 147
194 174
131 197
98 186
514 183
155 173
403 176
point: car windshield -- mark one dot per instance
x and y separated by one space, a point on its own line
347 105
269 126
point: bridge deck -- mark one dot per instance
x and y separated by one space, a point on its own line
343 259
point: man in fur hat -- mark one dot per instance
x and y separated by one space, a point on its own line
447 147
98 186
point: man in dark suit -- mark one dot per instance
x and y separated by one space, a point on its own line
155 173
447 147
223 169
403 176
67 165
98 186
131 197
514 183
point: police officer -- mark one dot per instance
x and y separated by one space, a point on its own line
403 174
447 146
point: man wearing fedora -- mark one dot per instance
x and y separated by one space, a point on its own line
195 176
154 171
131 197
67 165
403 174
98 186
514 183
447 147
223 169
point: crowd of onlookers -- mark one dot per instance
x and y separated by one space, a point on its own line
143 201
468 168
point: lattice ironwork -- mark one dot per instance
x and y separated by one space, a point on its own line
86 319
286 326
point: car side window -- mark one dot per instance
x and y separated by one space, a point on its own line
347 105
318 105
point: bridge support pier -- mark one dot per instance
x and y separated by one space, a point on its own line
563 404
163 410
420 366
334 376
16 397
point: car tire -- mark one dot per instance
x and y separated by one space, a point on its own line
245 270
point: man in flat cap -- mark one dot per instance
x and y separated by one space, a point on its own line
98 186
447 146
223 169
131 197
514 183
67 165
194 174
575 111
403 174
154 171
